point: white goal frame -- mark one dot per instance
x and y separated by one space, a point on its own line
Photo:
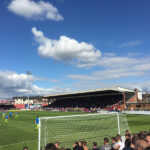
69 116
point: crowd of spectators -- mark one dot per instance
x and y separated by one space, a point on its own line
137 141
86 102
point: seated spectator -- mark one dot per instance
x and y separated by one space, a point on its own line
119 144
141 145
84 145
148 138
106 145
50 146
95 146
25 148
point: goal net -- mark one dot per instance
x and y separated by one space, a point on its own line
90 127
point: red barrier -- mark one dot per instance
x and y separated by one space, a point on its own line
22 106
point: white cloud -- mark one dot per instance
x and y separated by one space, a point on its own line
34 10
130 44
116 67
67 49
14 84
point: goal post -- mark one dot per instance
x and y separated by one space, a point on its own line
72 128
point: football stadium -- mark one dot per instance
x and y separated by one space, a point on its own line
74 74
86 116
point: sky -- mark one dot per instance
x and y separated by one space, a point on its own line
73 45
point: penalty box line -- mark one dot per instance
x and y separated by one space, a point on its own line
18 143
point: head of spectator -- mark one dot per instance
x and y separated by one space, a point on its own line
80 143
127 142
135 138
114 140
142 135
106 141
57 144
25 148
94 144
118 137
75 144
128 136
127 132
50 146
141 145
84 145
148 138
78 148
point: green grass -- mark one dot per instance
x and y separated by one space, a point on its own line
20 132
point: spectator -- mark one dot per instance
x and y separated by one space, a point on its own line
95 146
128 144
114 141
50 146
119 145
78 148
141 145
84 145
148 138
106 145
128 136
75 145
25 148
135 138
57 145
127 132
80 143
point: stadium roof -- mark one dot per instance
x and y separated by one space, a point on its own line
115 89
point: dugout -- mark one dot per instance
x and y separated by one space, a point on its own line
92 98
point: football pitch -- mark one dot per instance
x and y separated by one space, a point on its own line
21 132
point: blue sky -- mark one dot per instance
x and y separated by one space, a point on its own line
72 45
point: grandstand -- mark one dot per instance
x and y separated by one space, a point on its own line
6 104
99 98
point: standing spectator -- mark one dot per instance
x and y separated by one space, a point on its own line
128 136
50 146
84 145
57 145
75 145
128 144
141 145
95 146
119 145
106 145
80 143
25 148
114 141
148 138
